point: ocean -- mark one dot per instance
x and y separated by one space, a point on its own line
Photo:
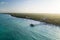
13 28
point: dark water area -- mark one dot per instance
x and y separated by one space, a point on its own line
12 28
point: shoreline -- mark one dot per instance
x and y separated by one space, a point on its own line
47 18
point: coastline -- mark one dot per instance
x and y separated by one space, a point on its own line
47 18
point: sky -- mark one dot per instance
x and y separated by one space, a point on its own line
30 6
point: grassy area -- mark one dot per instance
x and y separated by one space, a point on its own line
48 18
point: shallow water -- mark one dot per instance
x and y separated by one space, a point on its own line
12 28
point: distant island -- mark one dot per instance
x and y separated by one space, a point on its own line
43 17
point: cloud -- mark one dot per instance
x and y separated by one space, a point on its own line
33 6
3 3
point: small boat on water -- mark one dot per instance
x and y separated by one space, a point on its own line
32 25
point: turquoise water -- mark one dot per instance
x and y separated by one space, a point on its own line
12 28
